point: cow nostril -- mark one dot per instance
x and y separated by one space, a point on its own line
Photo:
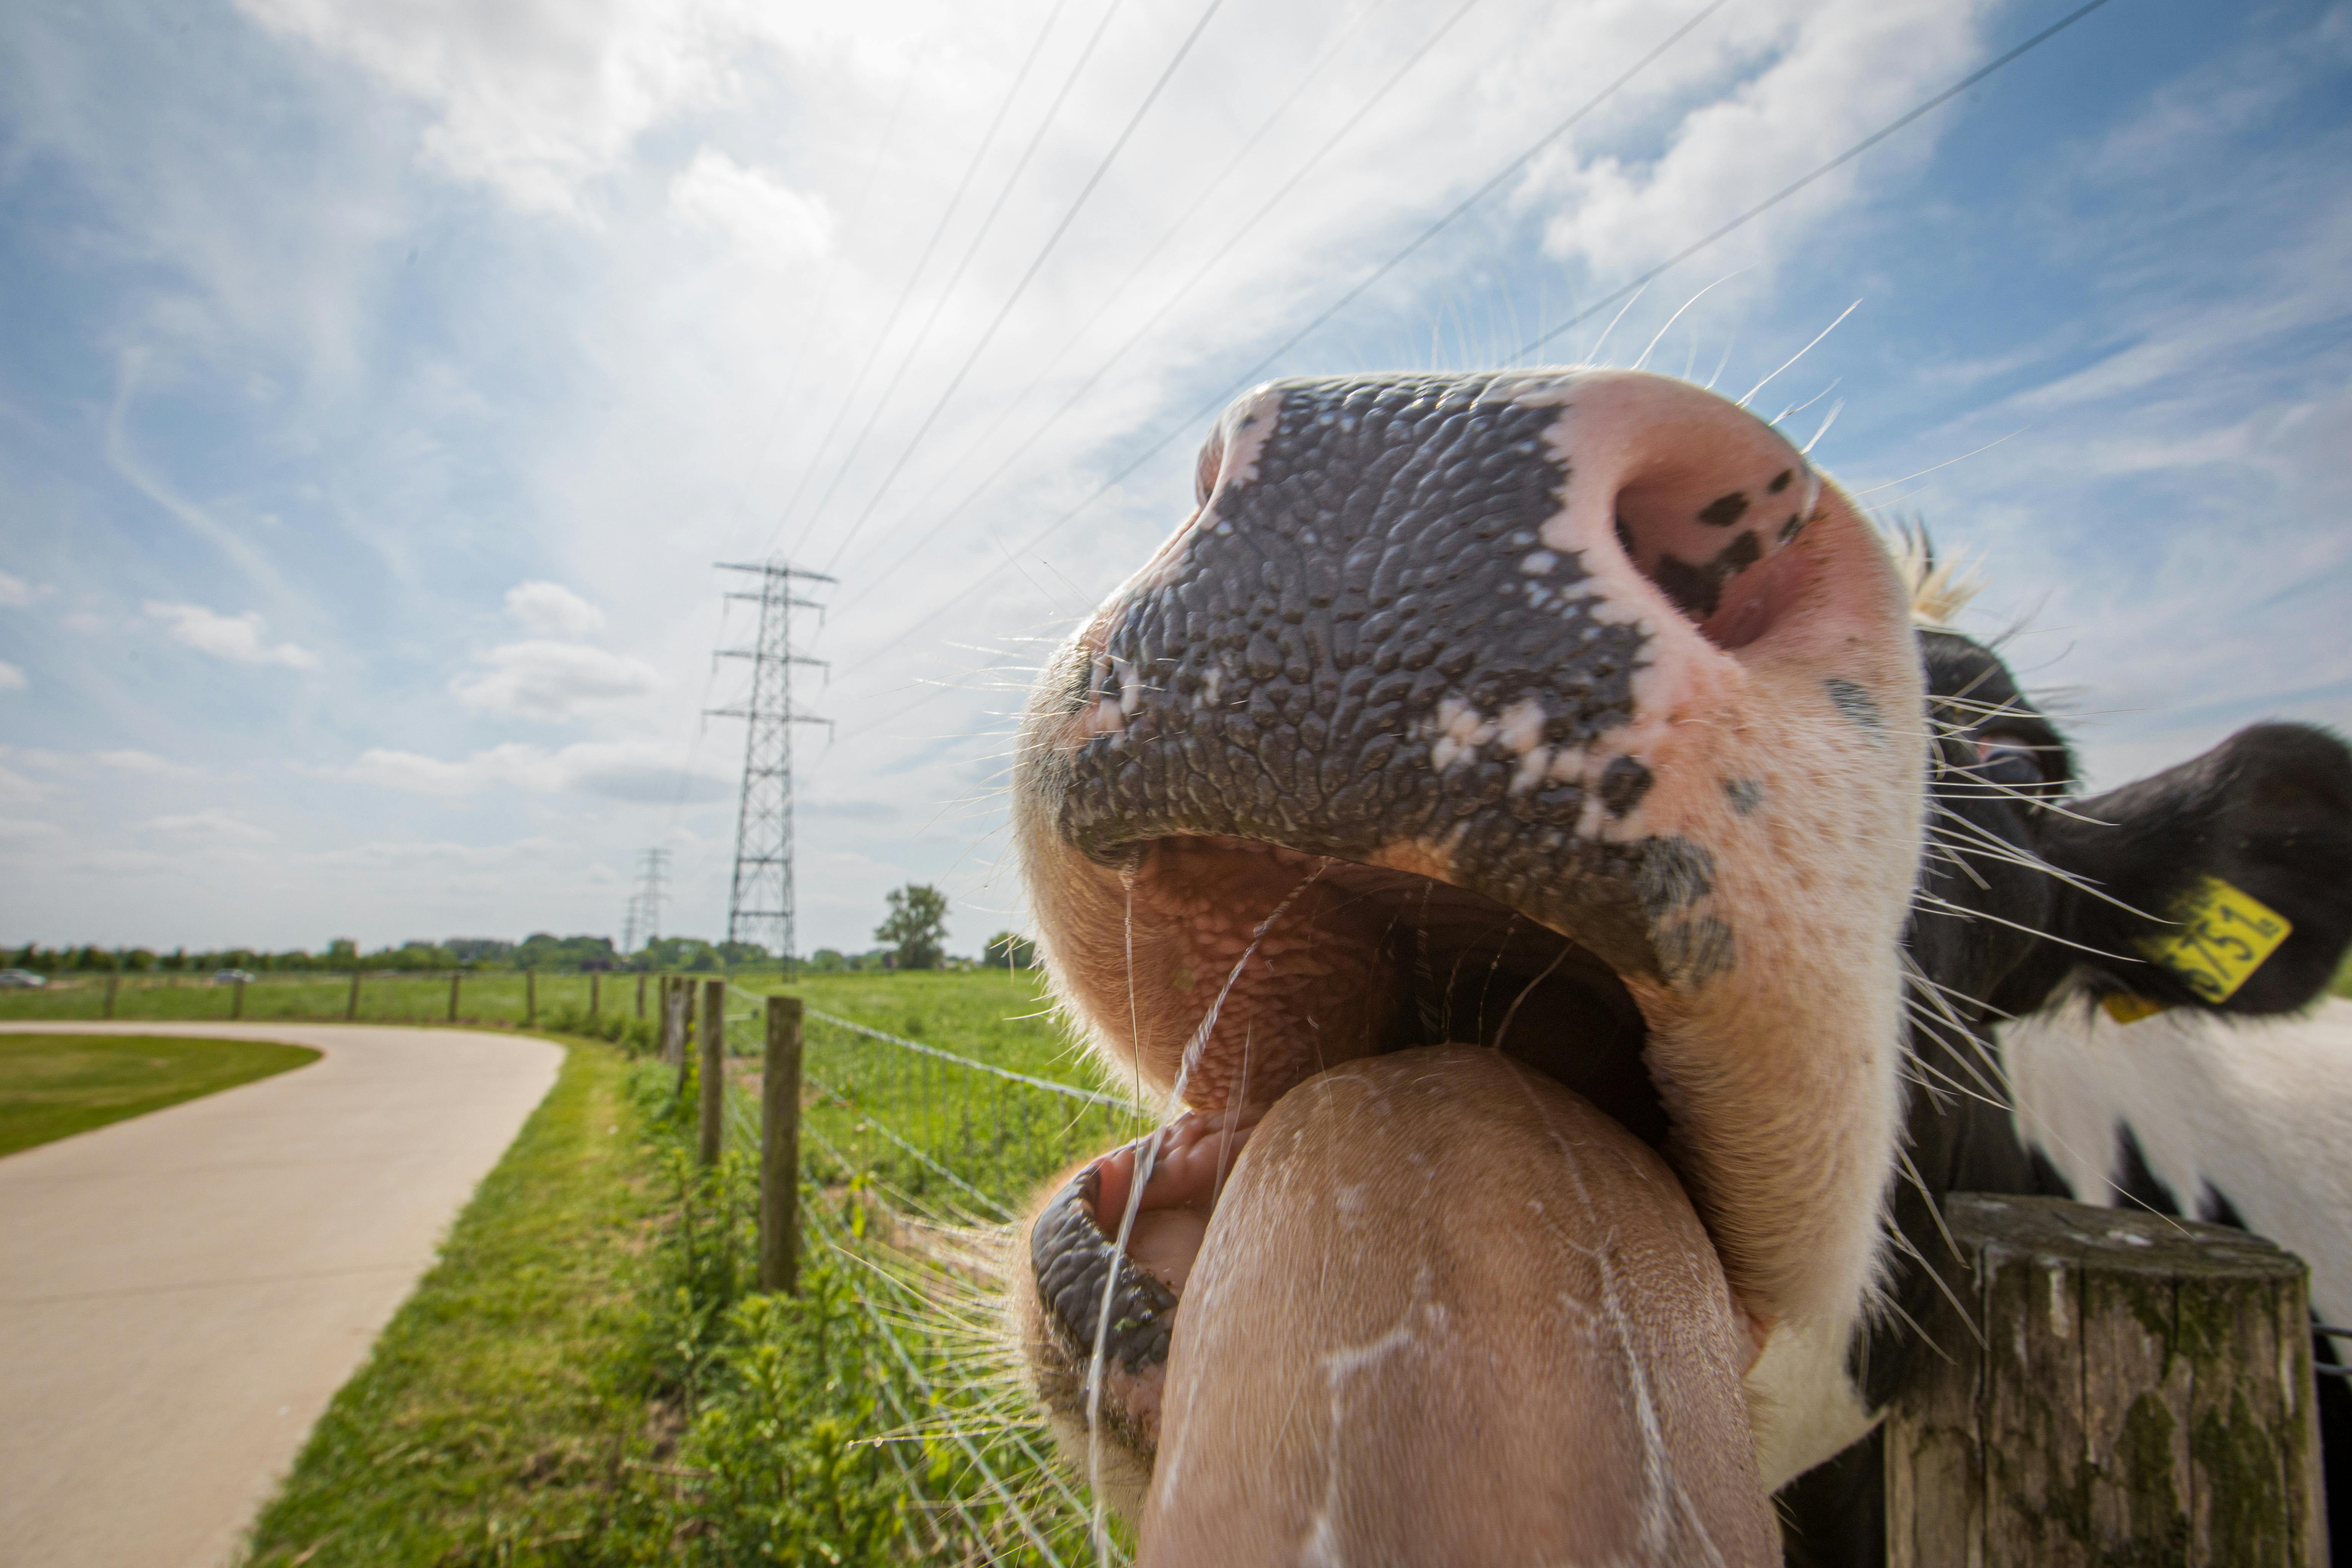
1707 533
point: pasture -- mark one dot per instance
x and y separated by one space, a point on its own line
54 1086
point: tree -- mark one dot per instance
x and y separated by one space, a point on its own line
915 927
1006 951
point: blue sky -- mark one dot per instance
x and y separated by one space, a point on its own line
380 381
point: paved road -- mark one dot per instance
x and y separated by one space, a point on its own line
182 1293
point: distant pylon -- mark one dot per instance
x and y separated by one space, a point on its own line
644 904
760 903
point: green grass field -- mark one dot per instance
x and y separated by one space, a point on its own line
54 1086
1000 1015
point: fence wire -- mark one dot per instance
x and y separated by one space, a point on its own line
907 1151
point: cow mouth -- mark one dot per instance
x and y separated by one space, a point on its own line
1301 961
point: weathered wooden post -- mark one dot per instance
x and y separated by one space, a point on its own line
779 1149
2141 1392
236 1000
712 1097
595 994
351 1005
455 976
112 982
530 998
641 996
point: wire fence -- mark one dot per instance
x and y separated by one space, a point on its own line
512 997
912 1152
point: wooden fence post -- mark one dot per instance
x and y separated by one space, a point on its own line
2141 1390
112 982
352 1006
596 992
779 1149
236 1001
530 998
455 976
641 995
713 1086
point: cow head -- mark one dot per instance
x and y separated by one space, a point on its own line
1571 715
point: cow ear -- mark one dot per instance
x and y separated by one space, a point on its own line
2267 813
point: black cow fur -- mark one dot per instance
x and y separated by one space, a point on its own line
2269 810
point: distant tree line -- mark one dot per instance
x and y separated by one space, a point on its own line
541 950
913 935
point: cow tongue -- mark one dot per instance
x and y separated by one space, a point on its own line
1447 1311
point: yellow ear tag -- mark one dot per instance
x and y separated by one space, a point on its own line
2125 1009
2222 937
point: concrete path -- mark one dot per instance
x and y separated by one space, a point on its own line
182 1293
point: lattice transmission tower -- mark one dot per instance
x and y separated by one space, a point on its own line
644 904
759 904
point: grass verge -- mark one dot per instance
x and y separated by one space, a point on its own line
54 1086
511 1389
588 1378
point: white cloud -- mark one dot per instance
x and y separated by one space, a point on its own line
213 823
14 592
234 637
11 678
612 770
16 789
553 682
14 830
534 97
552 610
751 206
1812 88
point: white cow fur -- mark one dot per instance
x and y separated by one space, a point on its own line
2260 1109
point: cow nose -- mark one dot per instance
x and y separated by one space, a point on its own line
1409 601
1702 499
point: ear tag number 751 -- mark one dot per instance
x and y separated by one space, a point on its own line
2222 937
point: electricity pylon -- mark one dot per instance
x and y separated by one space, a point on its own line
760 903
644 904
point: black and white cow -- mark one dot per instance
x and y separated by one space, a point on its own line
2248 1100
1571 715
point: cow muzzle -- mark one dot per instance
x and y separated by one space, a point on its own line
1570 715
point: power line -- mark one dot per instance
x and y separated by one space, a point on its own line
1020 287
1146 259
1346 299
907 290
1856 150
760 898
1187 286
1972 79
946 291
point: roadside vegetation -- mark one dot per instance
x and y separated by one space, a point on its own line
54 1086
588 1377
